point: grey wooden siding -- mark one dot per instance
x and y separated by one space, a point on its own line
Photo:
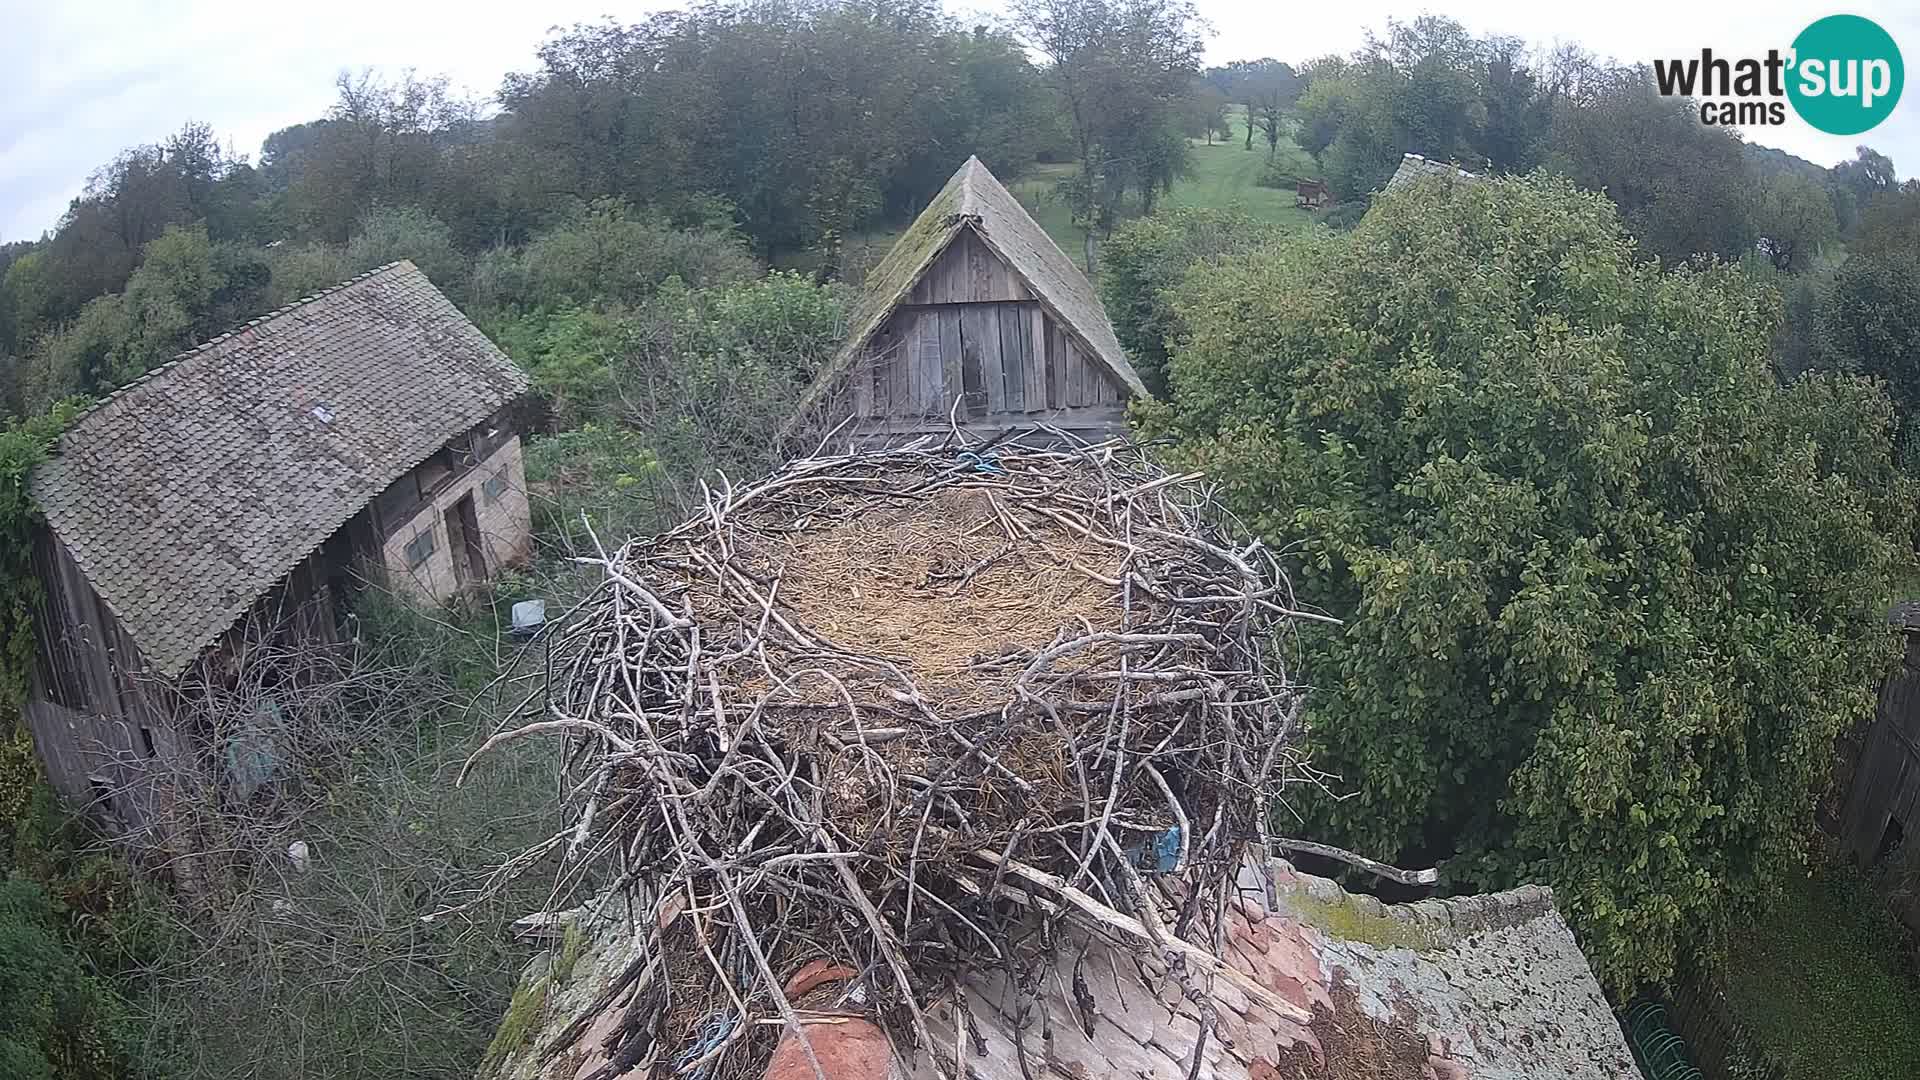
90 712
97 716
1885 786
967 273
1007 361
970 329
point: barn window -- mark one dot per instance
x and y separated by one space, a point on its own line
495 486
433 473
1890 839
419 549
105 800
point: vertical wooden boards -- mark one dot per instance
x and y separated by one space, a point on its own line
972 383
862 380
967 272
899 396
1076 373
952 381
980 327
1056 366
931 378
982 265
1035 358
1013 333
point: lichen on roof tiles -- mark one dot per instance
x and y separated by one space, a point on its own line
1413 166
187 494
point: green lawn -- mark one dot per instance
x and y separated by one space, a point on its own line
1817 982
1221 175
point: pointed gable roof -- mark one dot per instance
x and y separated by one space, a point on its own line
188 494
974 199
1413 166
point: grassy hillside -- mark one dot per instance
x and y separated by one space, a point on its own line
1220 175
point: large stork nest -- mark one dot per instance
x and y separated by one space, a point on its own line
918 711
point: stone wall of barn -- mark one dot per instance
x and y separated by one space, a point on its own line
420 554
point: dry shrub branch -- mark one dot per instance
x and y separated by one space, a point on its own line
920 711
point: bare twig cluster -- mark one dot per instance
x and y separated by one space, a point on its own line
919 711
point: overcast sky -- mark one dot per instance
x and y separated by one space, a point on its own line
81 80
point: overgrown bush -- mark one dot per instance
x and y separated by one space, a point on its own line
1148 256
608 255
693 381
382 235
378 950
57 1022
1610 591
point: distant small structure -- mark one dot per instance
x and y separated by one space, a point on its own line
232 498
974 304
1311 194
1413 166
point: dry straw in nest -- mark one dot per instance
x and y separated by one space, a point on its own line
918 711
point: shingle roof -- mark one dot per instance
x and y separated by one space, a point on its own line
973 198
1413 166
1491 987
185 496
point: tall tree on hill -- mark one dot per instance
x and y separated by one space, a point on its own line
1272 86
877 104
1682 186
1423 88
1794 218
1122 67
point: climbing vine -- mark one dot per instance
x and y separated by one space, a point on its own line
23 444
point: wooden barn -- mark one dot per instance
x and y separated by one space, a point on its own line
974 316
1881 767
241 491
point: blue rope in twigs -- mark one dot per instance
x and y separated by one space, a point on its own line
712 1032
986 463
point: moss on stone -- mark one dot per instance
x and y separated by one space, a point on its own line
529 1000
1347 919
572 943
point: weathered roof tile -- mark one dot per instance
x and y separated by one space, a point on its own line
187 494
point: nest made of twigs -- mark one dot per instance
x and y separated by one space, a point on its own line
909 710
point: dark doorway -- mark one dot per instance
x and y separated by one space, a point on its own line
463 541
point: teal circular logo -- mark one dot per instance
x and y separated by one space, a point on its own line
1846 75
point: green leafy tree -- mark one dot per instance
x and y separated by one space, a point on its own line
1682 186
23 444
1148 257
1889 223
1795 219
1868 175
1610 592
1868 324
1123 69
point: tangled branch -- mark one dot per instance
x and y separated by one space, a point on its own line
919 710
